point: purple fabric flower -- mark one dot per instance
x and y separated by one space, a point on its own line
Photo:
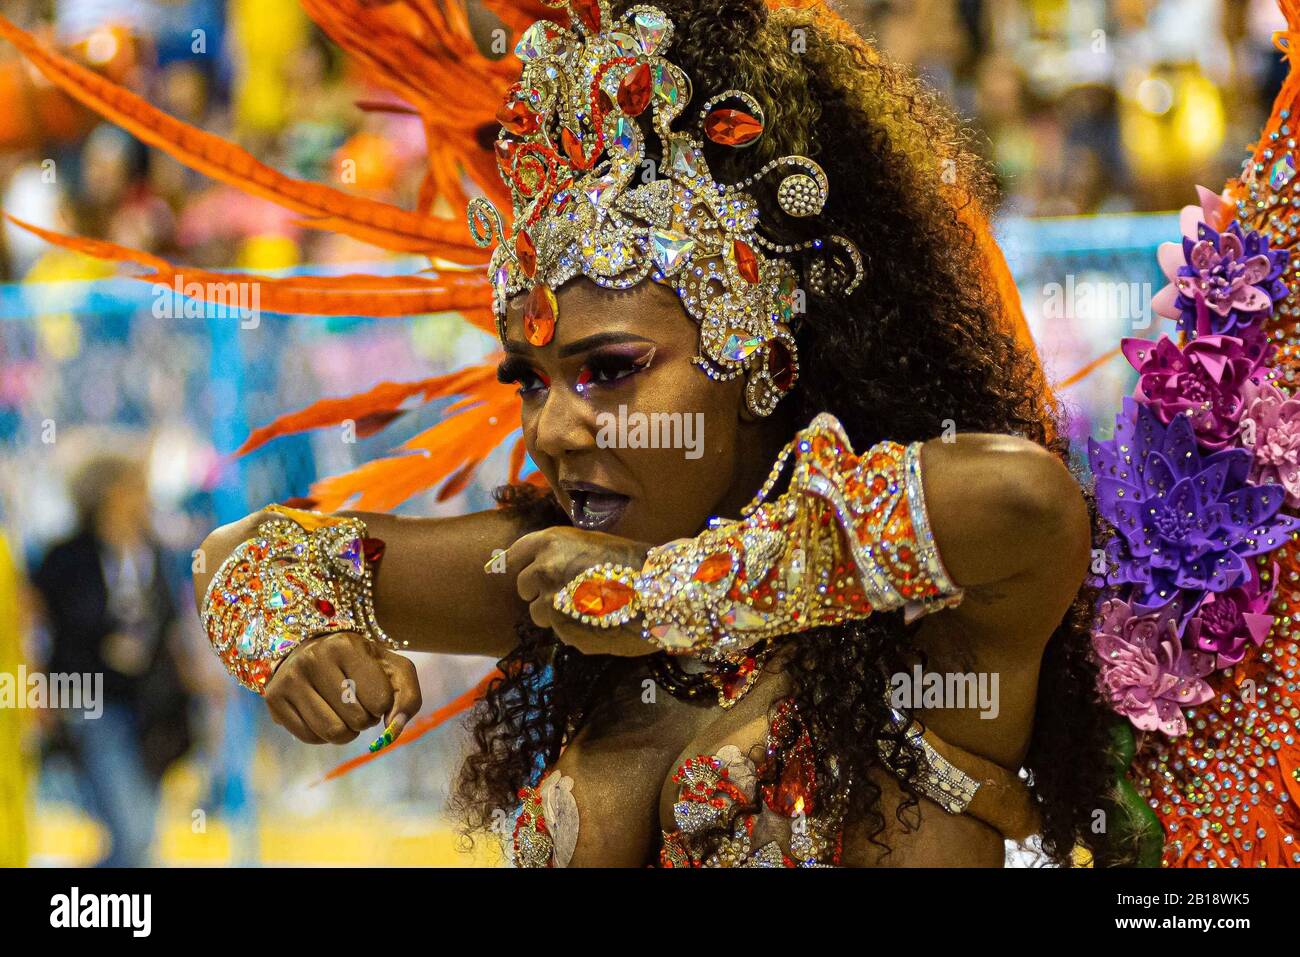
1219 280
1145 672
1202 380
1270 429
1184 521
1226 621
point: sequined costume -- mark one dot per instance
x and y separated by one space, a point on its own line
732 812
850 537
1196 632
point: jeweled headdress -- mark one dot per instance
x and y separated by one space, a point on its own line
589 200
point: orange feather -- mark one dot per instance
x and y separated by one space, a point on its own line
518 14
456 484
351 295
467 436
385 397
425 53
420 727
1089 369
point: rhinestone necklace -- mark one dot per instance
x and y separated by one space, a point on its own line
730 680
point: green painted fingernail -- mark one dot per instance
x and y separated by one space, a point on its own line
384 740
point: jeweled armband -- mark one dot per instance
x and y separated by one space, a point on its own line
302 575
849 536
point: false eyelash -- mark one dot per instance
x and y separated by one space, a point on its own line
610 363
512 370
616 362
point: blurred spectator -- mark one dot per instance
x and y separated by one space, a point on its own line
109 612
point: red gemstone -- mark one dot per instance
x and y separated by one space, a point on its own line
373 548
606 104
259 672
736 683
588 12
526 252
600 596
746 261
326 608
572 147
713 568
634 90
539 315
794 791
518 118
732 127
780 365
505 150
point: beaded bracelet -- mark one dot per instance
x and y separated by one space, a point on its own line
302 575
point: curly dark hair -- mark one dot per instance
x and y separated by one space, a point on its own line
925 341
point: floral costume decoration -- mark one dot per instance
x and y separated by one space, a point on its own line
1194 633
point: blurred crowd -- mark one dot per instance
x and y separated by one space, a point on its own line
258 73
1082 106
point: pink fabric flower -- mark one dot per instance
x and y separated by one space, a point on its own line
1146 673
1270 429
1226 621
1203 380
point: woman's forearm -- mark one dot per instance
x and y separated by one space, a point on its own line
853 536
438 587
432 590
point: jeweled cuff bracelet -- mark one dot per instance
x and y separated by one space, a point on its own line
850 536
302 575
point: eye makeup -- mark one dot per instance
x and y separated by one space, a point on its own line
513 369
602 368
608 367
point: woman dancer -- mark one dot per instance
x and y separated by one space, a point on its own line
842 279
739 221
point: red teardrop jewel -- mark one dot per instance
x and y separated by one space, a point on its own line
746 261
793 793
526 252
737 683
373 548
505 150
588 12
780 365
634 90
731 127
540 311
714 567
572 147
516 117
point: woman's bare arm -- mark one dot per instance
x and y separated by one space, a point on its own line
1012 528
